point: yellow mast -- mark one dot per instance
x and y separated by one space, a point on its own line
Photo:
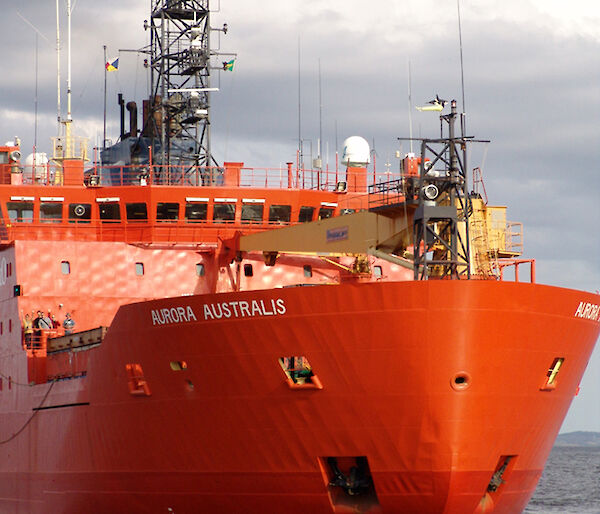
67 147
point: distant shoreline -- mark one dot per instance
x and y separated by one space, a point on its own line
580 438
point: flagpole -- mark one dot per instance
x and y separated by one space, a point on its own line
104 132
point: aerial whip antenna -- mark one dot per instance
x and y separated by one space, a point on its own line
463 126
410 131
300 153
58 116
320 158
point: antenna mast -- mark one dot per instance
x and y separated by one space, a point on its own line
463 124
66 147
320 158
300 153
180 82
58 67
410 130
67 123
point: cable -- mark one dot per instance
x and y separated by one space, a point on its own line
31 417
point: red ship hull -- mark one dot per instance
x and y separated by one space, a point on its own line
435 383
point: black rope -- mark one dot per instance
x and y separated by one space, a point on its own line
31 417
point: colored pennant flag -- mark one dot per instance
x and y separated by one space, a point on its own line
228 66
112 65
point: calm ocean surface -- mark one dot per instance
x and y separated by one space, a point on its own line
570 483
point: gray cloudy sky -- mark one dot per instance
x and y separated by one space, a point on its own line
532 80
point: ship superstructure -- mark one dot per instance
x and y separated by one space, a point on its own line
269 340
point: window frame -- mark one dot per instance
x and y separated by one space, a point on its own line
132 215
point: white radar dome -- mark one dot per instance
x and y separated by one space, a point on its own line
356 152
36 164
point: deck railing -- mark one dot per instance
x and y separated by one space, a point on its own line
179 231
197 176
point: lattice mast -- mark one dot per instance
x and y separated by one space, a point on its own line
441 251
179 110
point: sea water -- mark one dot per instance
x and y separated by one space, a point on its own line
570 483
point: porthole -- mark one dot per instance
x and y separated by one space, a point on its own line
460 381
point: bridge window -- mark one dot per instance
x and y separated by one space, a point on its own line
196 212
224 212
280 213
167 211
306 214
248 271
110 213
307 270
80 212
136 212
51 212
252 212
20 212
325 212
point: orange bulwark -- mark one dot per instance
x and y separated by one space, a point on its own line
384 388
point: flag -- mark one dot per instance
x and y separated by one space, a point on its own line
112 65
437 104
228 66
434 107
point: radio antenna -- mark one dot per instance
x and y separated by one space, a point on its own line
463 125
410 128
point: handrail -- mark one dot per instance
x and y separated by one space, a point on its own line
38 340
507 263
197 176
133 231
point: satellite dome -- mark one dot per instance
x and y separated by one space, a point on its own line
356 152
41 163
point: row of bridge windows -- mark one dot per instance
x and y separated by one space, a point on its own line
52 212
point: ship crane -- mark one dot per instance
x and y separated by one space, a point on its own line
420 222
384 236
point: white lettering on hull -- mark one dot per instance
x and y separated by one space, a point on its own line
588 311
173 315
244 309
220 310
